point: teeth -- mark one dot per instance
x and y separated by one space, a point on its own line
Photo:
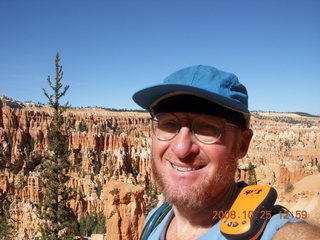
184 169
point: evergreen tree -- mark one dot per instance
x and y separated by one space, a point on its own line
252 174
94 223
5 152
5 226
59 221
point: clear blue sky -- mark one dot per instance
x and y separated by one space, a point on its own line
110 49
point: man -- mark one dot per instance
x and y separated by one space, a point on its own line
200 129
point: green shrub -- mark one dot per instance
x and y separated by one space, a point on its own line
98 188
94 223
289 188
114 191
82 127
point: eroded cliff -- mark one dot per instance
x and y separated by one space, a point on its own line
110 153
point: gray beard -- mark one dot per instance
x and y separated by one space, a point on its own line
196 197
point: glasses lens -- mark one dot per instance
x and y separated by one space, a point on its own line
165 126
207 130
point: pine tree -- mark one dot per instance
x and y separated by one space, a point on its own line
252 174
5 152
5 226
59 221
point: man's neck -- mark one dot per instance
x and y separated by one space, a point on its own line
192 223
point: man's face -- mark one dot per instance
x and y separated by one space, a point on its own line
190 172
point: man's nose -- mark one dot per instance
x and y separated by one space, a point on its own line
184 143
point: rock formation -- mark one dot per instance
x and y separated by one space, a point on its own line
124 209
110 153
284 148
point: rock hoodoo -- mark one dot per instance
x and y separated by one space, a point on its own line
110 155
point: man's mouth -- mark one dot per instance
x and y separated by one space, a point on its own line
185 169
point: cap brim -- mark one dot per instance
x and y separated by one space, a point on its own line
152 95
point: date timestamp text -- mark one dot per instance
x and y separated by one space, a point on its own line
263 214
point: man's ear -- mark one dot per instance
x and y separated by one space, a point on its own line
246 136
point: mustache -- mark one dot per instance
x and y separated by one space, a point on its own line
191 159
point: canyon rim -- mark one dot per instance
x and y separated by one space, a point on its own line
110 155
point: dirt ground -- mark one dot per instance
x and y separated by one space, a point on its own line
304 200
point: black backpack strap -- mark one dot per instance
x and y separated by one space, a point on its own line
275 210
278 208
155 220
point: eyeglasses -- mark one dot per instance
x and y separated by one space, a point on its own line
207 129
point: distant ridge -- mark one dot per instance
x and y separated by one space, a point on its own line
19 104
302 114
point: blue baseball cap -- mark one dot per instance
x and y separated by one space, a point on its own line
206 82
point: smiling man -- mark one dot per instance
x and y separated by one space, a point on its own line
200 129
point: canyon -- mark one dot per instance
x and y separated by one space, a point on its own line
110 154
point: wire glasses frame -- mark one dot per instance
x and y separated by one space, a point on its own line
206 129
